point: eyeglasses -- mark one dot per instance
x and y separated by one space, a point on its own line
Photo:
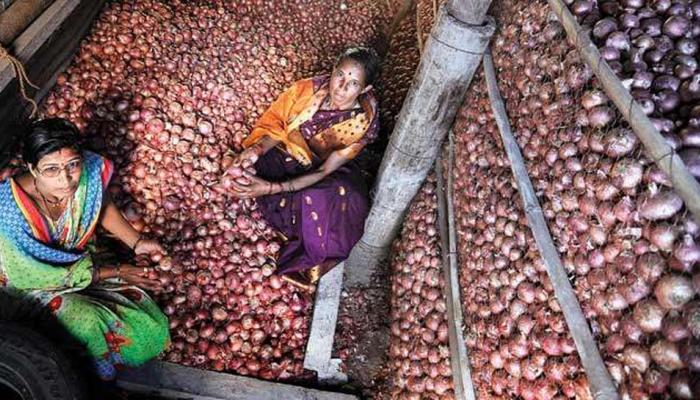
55 170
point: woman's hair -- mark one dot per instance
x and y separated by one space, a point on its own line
47 136
366 57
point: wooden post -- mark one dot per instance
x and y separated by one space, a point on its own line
601 384
450 57
470 11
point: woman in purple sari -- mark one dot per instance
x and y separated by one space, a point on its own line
307 185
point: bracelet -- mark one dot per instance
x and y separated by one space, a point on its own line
269 189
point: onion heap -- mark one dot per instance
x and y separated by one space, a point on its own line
425 18
398 69
164 89
518 341
623 234
419 352
653 48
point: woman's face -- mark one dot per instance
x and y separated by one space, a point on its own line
347 82
58 173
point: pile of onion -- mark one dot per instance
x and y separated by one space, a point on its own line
165 89
623 234
419 352
518 341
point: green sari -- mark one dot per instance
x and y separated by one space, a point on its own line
120 326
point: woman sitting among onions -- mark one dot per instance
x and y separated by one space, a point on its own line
49 215
306 185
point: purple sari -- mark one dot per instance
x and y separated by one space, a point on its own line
321 222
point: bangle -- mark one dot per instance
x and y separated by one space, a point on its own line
269 188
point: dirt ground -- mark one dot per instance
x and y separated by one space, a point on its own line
362 336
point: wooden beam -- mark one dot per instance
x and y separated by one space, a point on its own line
178 382
599 379
18 17
44 48
451 55
322 336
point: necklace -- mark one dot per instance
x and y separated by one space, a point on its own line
49 206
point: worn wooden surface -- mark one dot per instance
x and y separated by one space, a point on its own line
450 57
320 343
654 143
461 370
179 382
44 48
601 383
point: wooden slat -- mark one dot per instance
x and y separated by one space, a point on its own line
322 335
601 384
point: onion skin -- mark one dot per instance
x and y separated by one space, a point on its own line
673 291
649 316
667 355
662 205
636 357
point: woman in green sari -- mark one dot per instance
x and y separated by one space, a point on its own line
49 216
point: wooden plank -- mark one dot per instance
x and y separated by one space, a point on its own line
177 382
44 48
17 18
320 343
459 359
665 157
601 384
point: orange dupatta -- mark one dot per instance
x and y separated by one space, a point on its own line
297 105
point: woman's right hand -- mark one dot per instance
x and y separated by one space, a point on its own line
244 160
132 275
138 276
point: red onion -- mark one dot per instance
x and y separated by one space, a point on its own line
673 291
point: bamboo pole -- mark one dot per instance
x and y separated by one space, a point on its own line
599 379
663 155
461 371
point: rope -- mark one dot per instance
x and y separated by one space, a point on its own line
22 77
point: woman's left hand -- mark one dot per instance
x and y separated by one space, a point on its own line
150 247
256 188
